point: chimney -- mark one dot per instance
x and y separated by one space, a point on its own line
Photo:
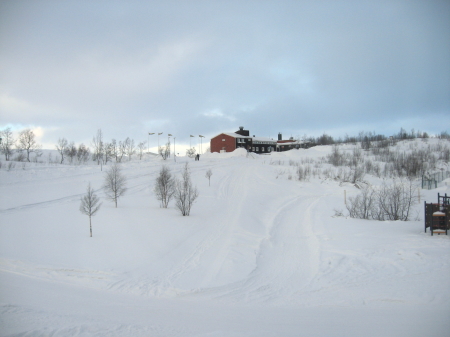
280 137
242 132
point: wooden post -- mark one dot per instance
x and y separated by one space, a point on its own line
345 197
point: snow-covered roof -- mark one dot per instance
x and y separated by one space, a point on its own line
292 141
263 140
232 134
257 139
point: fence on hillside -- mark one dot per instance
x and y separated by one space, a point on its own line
431 180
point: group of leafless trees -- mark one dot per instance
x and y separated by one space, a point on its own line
167 187
164 151
383 160
104 152
69 150
389 202
366 138
25 144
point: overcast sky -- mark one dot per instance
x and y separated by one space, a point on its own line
68 68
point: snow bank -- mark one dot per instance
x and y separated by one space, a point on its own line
236 153
260 255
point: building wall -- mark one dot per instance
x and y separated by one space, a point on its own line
263 148
245 143
223 142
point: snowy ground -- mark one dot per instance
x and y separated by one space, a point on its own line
260 255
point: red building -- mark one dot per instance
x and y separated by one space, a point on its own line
228 142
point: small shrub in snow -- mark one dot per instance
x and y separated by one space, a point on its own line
336 158
11 165
390 202
395 201
362 206
303 173
20 157
338 213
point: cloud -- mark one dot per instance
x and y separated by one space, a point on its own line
208 67
11 104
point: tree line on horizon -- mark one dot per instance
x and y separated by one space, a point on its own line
365 138
116 150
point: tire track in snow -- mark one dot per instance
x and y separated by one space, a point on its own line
215 244
135 188
287 261
47 203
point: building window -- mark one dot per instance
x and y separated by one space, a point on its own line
257 149
223 140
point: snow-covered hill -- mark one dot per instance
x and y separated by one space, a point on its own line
262 254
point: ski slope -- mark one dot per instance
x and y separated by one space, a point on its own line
260 255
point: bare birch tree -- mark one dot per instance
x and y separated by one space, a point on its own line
164 186
61 148
141 149
7 143
208 175
82 153
115 183
27 143
97 144
108 152
90 204
121 151
164 151
71 151
191 152
185 193
114 149
129 147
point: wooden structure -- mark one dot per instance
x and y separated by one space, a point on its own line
437 216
